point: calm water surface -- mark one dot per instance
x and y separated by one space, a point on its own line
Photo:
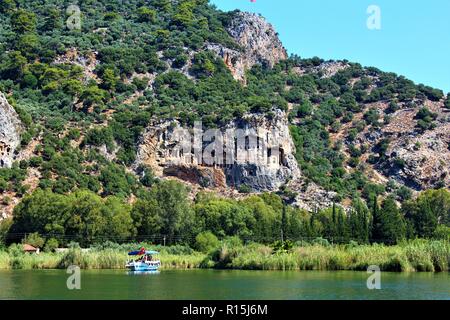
221 285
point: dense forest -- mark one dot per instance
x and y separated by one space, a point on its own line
70 112
165 211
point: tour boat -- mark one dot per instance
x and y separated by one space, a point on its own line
144 262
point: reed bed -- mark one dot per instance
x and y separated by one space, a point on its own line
419 255
104 259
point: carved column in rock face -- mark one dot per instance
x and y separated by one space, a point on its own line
10 128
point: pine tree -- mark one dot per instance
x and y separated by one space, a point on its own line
388 223
342 227
423 214
375 235
333 226
358 222
366 227
284 223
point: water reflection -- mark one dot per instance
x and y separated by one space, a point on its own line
222 285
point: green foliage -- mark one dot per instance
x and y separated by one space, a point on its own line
184 15
7 5
447 102
431 256
116 181
141 84
425 119
23 21
382 148
164 210
393 107
99 136
223 217
372 117
442 232
358 222
203 65
243 188
61 104
4 229
427 211
13 65
148 179
82 216
145 14
282 246
388 223
35 240
206 242
11 178
109 79
51 245
431 93
404 193
93 96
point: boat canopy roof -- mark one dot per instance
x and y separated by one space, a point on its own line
140 252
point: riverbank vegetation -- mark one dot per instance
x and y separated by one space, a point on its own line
259 232
82 129
92 258
166 215
231 253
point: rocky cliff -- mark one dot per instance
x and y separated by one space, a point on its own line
10 128
255 151
267 164
258 41
420 160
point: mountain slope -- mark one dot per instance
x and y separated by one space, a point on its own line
93 102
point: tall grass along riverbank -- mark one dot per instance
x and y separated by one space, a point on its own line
419 255
111 257
432 256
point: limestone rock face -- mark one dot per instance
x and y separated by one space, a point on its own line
254 151
422 162
259 42
275 165
10 127
414 158
310 196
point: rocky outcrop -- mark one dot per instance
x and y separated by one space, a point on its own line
10 128
258 41
326 69
311 197
88 62
422 162
414 158
270 159
255 151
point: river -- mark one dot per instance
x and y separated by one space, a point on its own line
221 285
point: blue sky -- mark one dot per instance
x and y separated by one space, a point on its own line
414 39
